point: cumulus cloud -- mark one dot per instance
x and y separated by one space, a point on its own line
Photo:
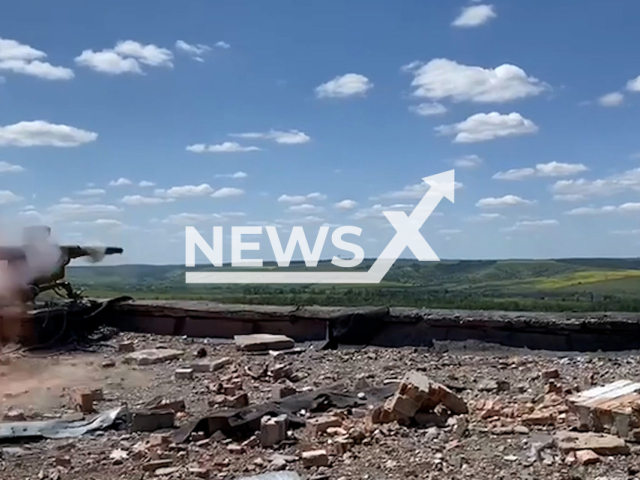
227 192
305 208
531 225
7 196
428 109
467 161
349 85
126 57
146 183
482 127
194 51
292 137
19 58
293 199
142 200
633 85
500 202
6 167
185 191
551 169
611 185
121 182
474 16
346 204
222 44
237 175
442 79
91 192
629 207
411 191
612 99
75 211
225 147
40 133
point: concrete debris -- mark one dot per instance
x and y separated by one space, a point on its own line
166 472
108 364
586 457
417 394
280 391
152 356
184 374
263 342
614 408
600 443
154 465
211 365
150 421
274 476
198 472
162 404
82 399
320 425
225 401
118 456
273 430
315 458
14 415
126 347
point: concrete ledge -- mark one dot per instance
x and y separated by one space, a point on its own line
401 327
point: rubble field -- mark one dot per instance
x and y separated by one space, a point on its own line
479 412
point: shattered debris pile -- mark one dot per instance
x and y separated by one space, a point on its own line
264 408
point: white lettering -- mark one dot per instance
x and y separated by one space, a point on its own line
338 242
297 236
237 246
214 253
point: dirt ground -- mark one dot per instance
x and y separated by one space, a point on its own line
486 377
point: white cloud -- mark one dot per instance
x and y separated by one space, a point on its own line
629 207
531 224
411 191
467 161
222 44
506 201
634 84
237 175
126 57
375 211
551 169
428 109
293 199
91 192
568 198
23 59
346 204
442 78
292 137
146 183
65 200
227 192
7 196
305 208
612 99
449 231
612 185
486 217
191 218
307 219
107 222
151 55
141 200
121 182
474 16
194 51
108 61
515 174
225 147
482 127
186 191
557 169
6 167
349 85
40 133
74 211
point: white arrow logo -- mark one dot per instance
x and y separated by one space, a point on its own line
407 235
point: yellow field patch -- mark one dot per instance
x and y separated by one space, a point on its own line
586 277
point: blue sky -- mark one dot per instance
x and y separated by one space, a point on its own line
340 107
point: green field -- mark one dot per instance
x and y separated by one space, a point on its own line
547 285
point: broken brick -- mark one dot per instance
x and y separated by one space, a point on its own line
321 424
273 430
315 458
